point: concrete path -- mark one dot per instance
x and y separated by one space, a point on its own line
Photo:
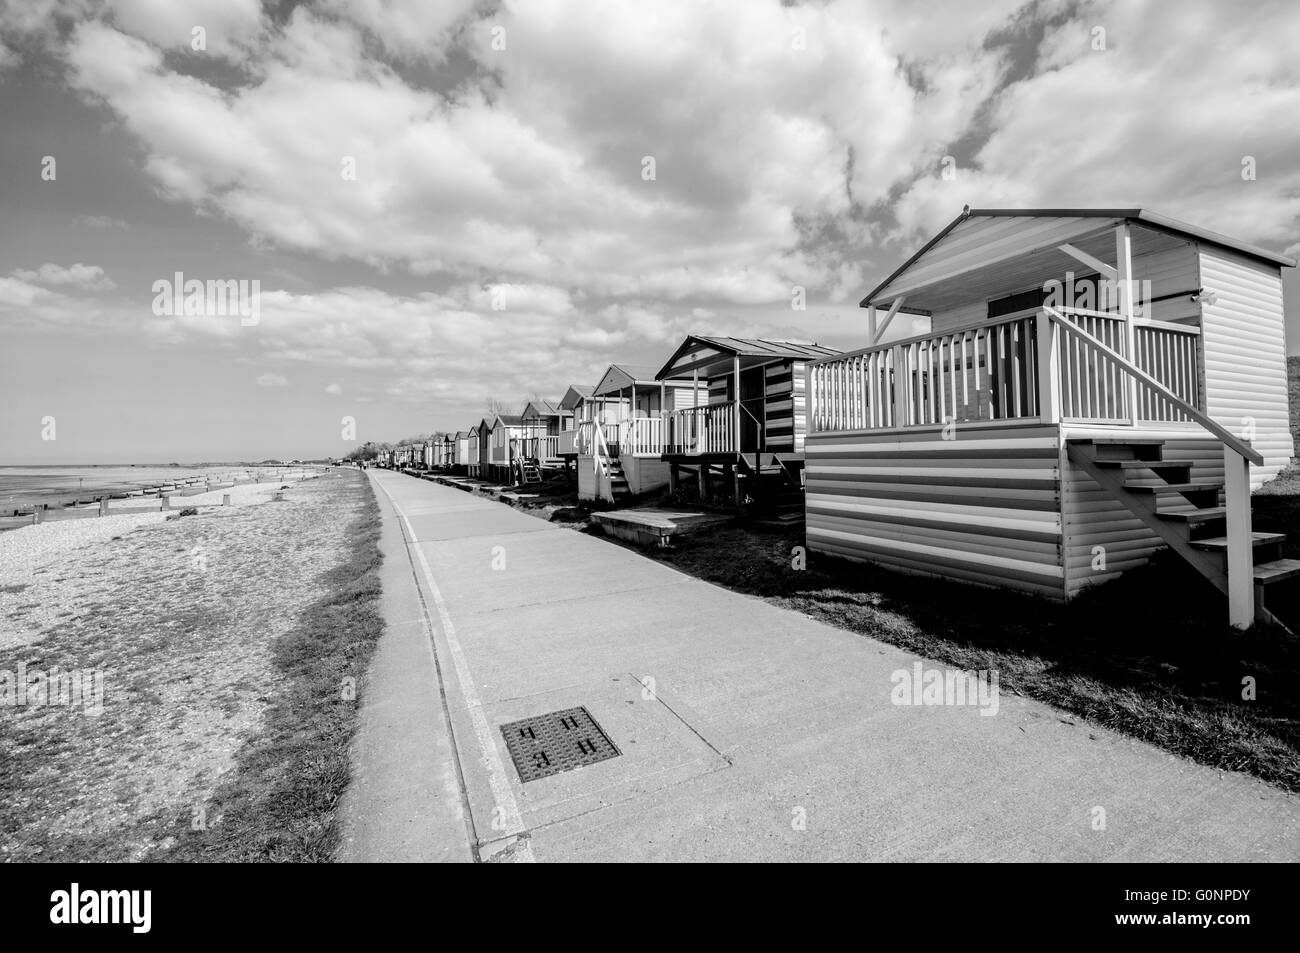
746 732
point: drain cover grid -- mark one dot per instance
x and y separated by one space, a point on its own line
557 741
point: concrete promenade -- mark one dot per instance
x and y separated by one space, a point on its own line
745 731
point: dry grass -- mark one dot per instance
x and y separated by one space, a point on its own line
224 638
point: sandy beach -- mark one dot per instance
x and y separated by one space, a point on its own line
182 616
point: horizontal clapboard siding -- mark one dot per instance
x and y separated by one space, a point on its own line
779 407
983 508
1245 355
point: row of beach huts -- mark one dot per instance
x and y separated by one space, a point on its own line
1092 386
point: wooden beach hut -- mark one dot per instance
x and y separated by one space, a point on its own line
479 458
742 434
460 453
505 436
544 420
1093 385
620 444
570 403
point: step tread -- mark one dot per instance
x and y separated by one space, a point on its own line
1221 542
1176 487
1205 514
1146 464
1277 570
1142 441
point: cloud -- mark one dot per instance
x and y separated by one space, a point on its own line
272 380
230 27
333 389
1162 118
408 29
531 168
76 277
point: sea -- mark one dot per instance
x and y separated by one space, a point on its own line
23 487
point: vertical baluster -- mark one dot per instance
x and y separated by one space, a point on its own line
941 410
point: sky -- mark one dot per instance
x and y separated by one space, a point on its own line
446 202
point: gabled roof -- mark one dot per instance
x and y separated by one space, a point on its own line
541 408
978 237
710 350
575 393
619 376
506 420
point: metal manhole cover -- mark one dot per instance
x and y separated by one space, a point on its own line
558 741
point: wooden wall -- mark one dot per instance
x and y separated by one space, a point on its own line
1244 348
984 507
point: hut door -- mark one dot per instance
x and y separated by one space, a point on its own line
751 399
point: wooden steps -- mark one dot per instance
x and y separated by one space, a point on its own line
1277 570
1197 534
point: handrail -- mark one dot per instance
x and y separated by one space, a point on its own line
1137 374
917 338
599 446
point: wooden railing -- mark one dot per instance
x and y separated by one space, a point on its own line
1171 354
568 442
645 436
698 430
1237 454
992 371
984 372
543 447
1091 384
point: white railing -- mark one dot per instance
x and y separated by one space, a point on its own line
992 371
985 372
585 437
1238 455
568 442
645 436
1092 385
1171 354
698 430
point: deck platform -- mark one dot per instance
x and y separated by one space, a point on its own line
655 527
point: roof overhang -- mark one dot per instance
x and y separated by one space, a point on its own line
988 252
696 355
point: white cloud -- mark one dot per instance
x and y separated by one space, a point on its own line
76 277
534 174
406 28
333 389
272 380
1161 119
229 26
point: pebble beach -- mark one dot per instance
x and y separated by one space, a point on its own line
181 614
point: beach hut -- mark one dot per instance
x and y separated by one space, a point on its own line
1088 386
506 433
477 457
460 452
543 422
428 453
573 399
447 451
621 432
745 420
